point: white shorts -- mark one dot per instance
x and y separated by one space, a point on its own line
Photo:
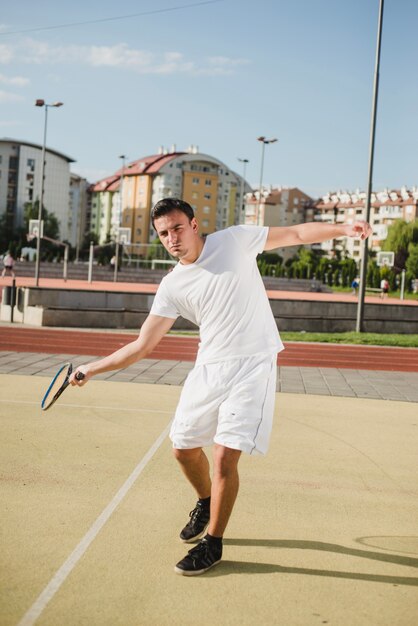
230 403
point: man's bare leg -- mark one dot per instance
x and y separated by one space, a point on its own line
224 491
195 466
225 485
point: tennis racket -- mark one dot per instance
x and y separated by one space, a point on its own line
59 384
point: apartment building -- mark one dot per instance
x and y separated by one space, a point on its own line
386 206
279 206
104 204
20 181
125 199
79 210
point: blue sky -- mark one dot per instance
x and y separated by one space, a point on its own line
218 75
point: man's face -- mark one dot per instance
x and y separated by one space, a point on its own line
178 235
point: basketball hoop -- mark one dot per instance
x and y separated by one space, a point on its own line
385 259
34 229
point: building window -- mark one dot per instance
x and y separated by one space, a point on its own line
205 223
195 180
138 231
208 196
206 209
31 164
195 195
208 182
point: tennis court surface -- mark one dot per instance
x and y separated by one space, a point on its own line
324 530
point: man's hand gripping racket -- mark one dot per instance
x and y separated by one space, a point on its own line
60 382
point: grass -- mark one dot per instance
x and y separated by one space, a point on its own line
392 294
369 339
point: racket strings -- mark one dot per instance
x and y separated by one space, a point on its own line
56 386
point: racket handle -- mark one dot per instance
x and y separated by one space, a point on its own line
79 376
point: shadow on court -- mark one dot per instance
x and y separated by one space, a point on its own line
324 529
268 568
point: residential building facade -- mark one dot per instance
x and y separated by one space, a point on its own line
386 206
79 210
126 198
279 206
20 181
104 199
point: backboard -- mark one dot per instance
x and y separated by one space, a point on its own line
385 259
34 229
124 235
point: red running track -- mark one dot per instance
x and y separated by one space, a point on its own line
297 354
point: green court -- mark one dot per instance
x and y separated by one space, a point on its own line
324 530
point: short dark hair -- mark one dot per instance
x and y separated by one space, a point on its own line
167 205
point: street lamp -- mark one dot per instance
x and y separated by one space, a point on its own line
264 141
365 243
42 103
242 212
116 268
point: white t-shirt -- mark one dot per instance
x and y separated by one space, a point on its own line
222 292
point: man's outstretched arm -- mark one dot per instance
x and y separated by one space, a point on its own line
152 331
313 232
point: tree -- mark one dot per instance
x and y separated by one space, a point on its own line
8 236
412 260
51 223
400 235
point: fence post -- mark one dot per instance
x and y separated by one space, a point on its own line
91 262
12 299
65 262
403 284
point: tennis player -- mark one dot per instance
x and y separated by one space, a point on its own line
228 398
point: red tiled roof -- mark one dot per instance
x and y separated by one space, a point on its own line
149 164
105 183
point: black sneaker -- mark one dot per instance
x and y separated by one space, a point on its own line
199 559
195 528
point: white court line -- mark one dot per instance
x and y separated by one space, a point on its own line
88 406
61 575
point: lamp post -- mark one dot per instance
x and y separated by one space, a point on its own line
116 268
241 217
264 141
42 103
364 255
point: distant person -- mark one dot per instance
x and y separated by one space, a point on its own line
384 288
355 285
8 264
228 398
